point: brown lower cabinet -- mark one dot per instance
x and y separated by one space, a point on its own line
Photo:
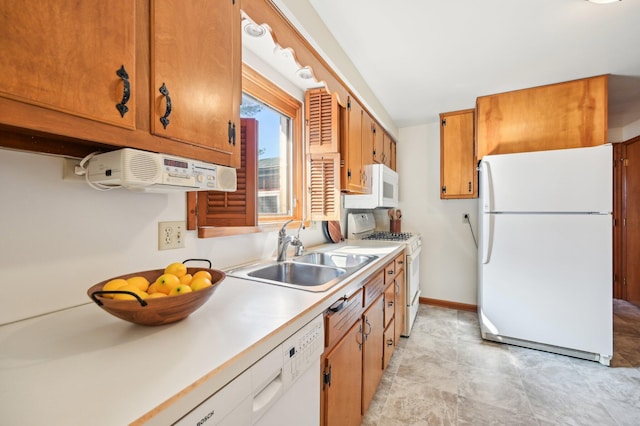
359 341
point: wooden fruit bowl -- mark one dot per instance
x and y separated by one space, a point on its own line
164 310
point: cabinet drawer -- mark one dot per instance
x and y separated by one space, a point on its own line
341 316
389 303
374 287
389 343
390 272
399 262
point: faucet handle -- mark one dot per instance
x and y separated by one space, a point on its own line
284 227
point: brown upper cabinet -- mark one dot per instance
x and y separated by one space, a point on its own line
50 57
565 115
458 177
91 75
196 57
353 178
384 147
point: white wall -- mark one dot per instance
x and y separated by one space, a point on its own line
448 262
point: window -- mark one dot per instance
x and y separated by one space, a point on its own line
270 179
279 151
275 153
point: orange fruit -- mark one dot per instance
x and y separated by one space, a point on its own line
198 283
180 289
177 268
186 279
206 274
113 285
141 282
166 283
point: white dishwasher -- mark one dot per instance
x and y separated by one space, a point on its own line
283 387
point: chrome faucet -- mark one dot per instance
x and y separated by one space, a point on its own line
284 240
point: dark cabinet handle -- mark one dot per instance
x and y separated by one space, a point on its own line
165 118
390 342
469 186
231 131
390 303
337 307
391 272
126 91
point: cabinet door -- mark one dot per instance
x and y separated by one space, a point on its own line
196 73
351 149
387 155
378 144
571 114
64 56
389 344
367 139
372 356
457 159
343 380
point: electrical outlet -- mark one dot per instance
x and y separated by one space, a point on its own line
465 217
171 235
69 168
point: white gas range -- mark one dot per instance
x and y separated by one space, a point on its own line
361 226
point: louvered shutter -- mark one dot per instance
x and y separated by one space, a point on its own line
322 121
323 177
237 208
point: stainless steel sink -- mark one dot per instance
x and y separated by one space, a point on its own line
337 260
297 273
314 271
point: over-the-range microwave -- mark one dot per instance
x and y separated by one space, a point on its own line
384 190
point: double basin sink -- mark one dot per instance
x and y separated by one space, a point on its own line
313 271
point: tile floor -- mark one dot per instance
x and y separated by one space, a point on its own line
445 374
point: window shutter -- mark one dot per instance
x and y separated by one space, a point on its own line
237 208
323 177
321 116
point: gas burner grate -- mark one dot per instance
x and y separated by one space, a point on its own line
389 236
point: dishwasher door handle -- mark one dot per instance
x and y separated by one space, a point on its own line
267 396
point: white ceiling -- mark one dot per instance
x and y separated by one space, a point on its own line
423 57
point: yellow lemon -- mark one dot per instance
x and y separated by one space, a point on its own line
177 268
186 279
166 283
180 289
199 283
153 289
132 288
141 282
206 274
113 285
156 295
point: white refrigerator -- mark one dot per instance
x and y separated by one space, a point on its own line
545 251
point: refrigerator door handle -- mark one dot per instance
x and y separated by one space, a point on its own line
487 236
485 183
487 206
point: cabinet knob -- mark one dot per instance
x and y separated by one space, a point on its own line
390 342
126 91
165 118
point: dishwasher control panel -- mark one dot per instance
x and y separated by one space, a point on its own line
302 349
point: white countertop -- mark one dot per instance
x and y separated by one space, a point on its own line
83 366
